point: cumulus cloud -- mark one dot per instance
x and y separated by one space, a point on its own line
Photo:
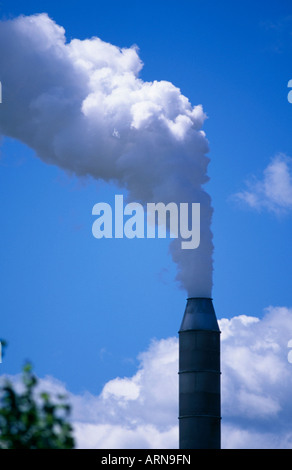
274 191
130 412
256 380
82 106
141 411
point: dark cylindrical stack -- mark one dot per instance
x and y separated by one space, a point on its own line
199 377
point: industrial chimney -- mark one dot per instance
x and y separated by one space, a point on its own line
199 377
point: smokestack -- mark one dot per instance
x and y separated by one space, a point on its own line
199 377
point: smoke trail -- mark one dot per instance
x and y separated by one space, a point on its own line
82 106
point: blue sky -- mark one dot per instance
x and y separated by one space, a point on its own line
82 309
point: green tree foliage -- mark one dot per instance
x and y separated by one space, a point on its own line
33 421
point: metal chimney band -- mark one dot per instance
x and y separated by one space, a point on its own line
199 377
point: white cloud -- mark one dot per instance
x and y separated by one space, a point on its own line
256 380
131 412
104 436
274 191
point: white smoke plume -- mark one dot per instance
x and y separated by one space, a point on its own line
82 106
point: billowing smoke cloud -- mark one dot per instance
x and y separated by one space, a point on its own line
82 106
